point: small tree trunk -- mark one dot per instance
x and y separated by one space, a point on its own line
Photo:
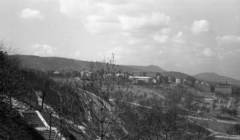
43 97
10 101
50 122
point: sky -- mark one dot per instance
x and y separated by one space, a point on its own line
190 36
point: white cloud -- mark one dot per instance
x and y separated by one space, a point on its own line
29 13
223 54
237 18
100 27
117 51
161 39
77 53
43 50
179 34
85 8
160 52
208 52
39 0
135 41
200 26
228 39
153 21
178 38
96 16
166 30
115 18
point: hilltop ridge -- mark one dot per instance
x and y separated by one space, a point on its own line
66 64
214 77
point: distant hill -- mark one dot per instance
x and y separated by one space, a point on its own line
52 63
150 68
216 78
65 64
175 74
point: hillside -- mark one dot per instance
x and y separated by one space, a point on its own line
213 77
175 74
52 63
65 64
151 68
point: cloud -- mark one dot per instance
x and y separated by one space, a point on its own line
166 30
153 21
161 38
100 27
228 39
208 52
200 26
85 8
43 50
178 38
224 54
117 51
124 15
179 34
29 13
135 41
237 18
132 23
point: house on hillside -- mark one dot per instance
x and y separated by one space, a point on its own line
142 80
223 89
137 73
85 75
170 79
56 73
202 86
119 74
178 80
152 74
184 81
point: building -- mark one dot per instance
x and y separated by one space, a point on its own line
119 74
85 75
142 80
202 86
223 89
56 73
170 79
178 80
185 81
206 87
146 74
138 73
152 74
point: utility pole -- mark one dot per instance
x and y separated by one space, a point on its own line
50 111
50 123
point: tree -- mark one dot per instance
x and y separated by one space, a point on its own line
214 104
11 79
95 104
223 110
162 123
12 85
103 107
234 129
234 112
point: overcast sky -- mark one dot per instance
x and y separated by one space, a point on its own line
190 36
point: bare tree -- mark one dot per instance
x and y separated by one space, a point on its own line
102 107
95 105
11 79
12 85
